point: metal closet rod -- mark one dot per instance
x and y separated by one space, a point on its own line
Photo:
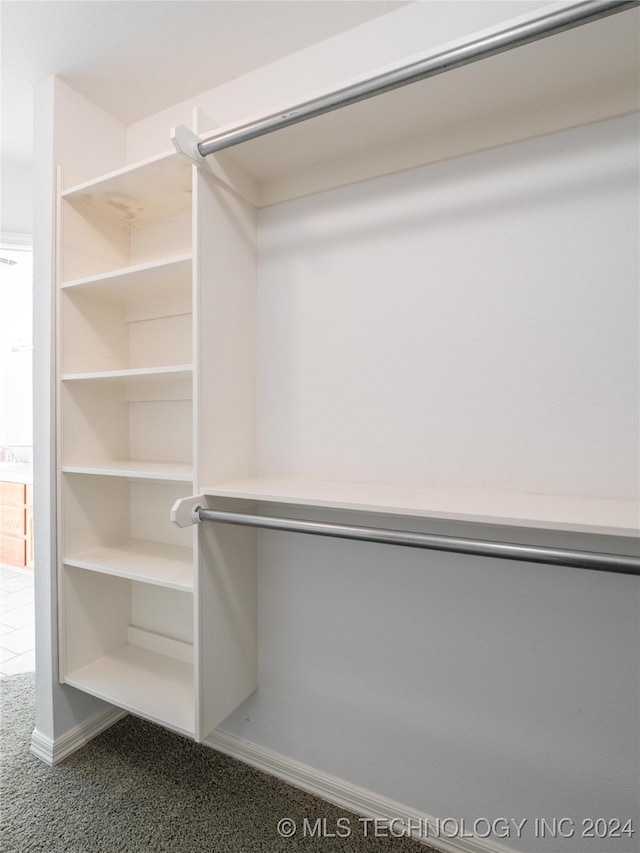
472 51
618 563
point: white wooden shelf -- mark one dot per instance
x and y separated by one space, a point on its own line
552 512
153 280
516 95
171 371
142 682
143 192
170 566
135 469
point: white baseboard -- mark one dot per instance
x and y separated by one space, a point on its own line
358 800
52 751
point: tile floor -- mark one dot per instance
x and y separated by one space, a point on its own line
17 630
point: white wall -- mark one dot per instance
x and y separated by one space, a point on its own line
470 324
459 687
484 311
16 211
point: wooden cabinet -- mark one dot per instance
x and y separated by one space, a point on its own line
16 524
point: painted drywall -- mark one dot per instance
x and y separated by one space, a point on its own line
458 687
471 324
16 212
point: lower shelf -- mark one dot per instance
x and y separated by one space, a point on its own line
148 684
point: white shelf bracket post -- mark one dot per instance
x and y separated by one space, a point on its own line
186 143
184 512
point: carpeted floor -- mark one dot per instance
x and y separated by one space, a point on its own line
138 788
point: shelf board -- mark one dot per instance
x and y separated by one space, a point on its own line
136 469
132 374
155 280
142 192
169 566
154 686
548 512
586 74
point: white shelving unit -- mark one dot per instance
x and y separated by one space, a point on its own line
126 438
142 308
159 390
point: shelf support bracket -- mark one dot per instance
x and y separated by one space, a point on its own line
186 142
184 512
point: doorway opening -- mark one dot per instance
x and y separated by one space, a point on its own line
17 618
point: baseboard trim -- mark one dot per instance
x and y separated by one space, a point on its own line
358 800
53 751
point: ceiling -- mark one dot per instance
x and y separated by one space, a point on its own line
136 57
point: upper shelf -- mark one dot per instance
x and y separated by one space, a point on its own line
548 512
586 74
143 192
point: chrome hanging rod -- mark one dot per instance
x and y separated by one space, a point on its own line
478 547
430 66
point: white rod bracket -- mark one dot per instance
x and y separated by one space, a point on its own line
186 143
184 512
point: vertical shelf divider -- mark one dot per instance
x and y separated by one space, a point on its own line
224 377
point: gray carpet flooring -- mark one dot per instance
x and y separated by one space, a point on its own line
138 788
